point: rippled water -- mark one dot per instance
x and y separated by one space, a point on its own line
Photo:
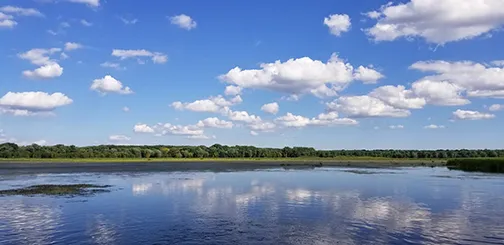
322 206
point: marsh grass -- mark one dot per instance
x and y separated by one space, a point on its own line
57 190
477 165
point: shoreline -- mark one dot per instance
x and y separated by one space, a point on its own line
62 166
407 161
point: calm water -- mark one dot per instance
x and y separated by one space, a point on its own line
322 206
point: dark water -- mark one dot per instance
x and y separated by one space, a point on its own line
322 206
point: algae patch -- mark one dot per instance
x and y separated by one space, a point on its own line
57 190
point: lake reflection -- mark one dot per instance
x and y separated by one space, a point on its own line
322 206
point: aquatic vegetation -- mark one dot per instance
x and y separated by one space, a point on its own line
477 165
57 190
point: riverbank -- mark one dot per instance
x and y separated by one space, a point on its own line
20 166
377 160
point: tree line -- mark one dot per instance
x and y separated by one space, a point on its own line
10 150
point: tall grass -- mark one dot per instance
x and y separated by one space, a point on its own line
477 165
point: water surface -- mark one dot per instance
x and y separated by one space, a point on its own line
320 206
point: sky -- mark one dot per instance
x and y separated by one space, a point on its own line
411 74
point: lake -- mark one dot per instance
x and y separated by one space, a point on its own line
275 206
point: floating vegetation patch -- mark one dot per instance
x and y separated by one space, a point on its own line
57 190
355 171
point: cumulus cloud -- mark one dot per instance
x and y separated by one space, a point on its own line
48 71
143 128
232 90
39 56
126 109
440 92
213 122
338 23
69 46
183 21
213 104
32 103
496 107
49 68
323 119
6 21
471 115
479 80
365 106
156 57
398 97
254 133
109 84
271 108
367 75
119 138
298 76
92 3
434 126
436 22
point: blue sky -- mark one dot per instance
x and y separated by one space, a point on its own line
336 74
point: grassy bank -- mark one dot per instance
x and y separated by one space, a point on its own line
478 165
230 160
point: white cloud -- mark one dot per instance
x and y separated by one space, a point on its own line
111 65
108 84
213 122
64 56
212 104
86 23
39 56
437 22
496 107
183 21
440 92
92 3
396 126
156 57
126 109
143 128
296 76
271 108
21 11
434 126
119 138
69 46
398 97
32 103
65 24
323 119
471 115
48 71
7 21
365 106
253 133
480 80
498 94
338 23
367 75
232 90
291 120
128 22
262 126
243 116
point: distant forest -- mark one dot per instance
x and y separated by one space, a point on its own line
10 150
